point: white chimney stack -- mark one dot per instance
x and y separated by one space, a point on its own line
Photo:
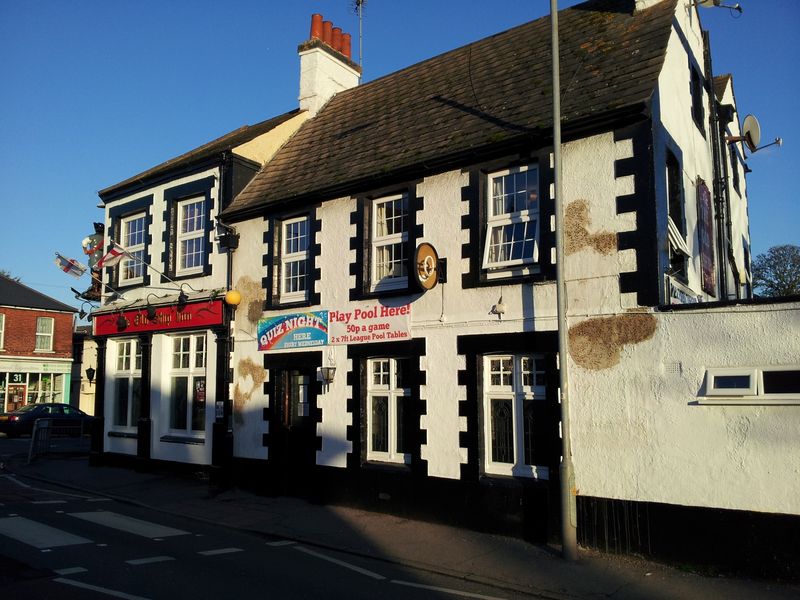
325 65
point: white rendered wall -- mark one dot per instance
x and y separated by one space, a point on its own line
217 260
639 434
674 128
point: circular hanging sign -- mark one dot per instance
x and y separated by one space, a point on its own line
426 266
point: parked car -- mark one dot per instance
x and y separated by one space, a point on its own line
66 419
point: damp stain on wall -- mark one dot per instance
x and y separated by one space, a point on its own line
597 343
252 298
246 368
577 234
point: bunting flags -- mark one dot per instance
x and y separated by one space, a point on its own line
70 265
113 256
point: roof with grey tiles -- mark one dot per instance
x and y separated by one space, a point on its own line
488 94
18 295
231 140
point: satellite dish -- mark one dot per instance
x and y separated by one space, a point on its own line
751 132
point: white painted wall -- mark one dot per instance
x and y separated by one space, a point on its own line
674 128
321 77
639 434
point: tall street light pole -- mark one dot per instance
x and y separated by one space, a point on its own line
569 518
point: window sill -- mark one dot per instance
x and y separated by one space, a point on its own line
122 434
389 467
44 351
536 473
181 439
748 401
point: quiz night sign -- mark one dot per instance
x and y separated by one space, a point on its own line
293 331
376 323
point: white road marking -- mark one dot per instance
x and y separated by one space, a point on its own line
71 571
129 524
281 543
220 551
434 588
341 563
150 560
38 535
99 589
48 501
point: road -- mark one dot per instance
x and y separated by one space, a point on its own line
57 543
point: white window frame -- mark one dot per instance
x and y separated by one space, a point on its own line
195 234
393 393
2 332
381 240
128 367
754 394
195 368
496 221
132 267
289 258
518 393
47 336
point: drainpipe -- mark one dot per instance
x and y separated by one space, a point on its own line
569 520
720 184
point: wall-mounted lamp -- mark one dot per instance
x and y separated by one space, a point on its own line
226 236
182 300
90 372
327 374
150 309
122 322
233 298
498 309
717 4
82 314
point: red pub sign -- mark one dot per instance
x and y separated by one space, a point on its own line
167 318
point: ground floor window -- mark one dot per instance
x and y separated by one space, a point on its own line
187 379
513 385
388 398
127 383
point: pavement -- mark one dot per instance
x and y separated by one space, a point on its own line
514 567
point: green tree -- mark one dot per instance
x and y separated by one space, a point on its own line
777 271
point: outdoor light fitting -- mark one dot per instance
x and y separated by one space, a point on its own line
226 236
327 374
90 372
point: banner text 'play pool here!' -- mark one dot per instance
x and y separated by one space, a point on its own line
362 325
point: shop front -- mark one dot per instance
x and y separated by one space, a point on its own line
24 381
161 378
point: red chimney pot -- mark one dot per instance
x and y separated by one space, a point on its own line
336 38
326 32
346 45
316 26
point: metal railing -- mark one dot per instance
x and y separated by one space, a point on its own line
45 429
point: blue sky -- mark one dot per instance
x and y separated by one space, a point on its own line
96 91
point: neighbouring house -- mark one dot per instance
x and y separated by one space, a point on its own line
84 356
392 335
161 332
35 346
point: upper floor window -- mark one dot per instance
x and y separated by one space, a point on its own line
2 329
676 221
133 233
388 397
389 241
191 235
512 218
697 90
512 384
294 255
734 167
127 383
44 334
